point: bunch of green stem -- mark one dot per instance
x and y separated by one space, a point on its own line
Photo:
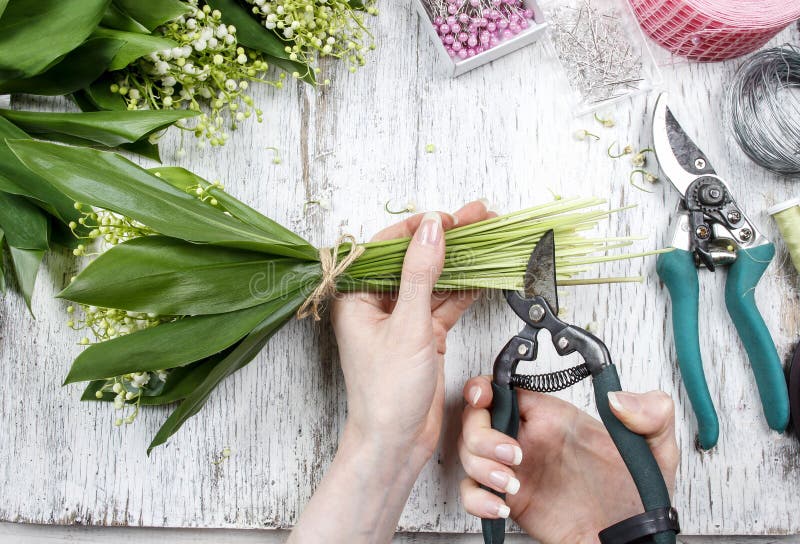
494 253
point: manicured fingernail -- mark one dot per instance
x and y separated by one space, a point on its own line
624 402
487 204
492 508
430 231
508 453
507 483
474 394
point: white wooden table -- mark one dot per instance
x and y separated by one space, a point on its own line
503 132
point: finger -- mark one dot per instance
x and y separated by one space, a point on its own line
487 472
478 392
480 439
651 415
422 266
348 305
482 503
451 308
407 228
475 211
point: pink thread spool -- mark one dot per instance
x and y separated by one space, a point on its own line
714 30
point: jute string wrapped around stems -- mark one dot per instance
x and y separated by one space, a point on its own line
331 270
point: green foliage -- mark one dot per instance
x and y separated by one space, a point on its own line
79 68
26 266
167 346
168 276
133 46
152 13
35 34
107 128
114 183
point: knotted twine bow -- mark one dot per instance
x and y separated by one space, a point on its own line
331 270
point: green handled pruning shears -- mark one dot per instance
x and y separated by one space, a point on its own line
711 230
538 308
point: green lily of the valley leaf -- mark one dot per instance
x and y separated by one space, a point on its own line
185 180
168 345
3 4
167 276
134 46
183 380
111 182
141 147
250 33
152 13
117 19
15 178
280 312
34 34
180 382
26 229
26 266
76 70
100 97
108 128
25 225
144 148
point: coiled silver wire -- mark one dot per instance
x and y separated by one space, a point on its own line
764 108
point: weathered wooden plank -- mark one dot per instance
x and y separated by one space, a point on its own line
503 132
48 534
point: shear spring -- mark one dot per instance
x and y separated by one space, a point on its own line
551 382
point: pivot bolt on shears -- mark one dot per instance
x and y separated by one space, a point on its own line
538 309
711 230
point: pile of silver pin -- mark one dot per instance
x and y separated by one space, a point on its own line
470 27
600 60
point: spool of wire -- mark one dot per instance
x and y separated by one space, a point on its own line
764 109
787 215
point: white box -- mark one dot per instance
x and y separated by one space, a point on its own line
456 67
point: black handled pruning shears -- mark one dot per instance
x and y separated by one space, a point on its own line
538 308
711 230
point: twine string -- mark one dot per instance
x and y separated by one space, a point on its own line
332 268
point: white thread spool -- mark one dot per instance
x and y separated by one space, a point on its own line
787 216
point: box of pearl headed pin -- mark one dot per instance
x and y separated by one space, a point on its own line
602 50
469 33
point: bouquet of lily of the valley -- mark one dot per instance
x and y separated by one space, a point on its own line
201 55
194 282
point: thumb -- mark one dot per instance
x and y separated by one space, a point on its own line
651 415
421 268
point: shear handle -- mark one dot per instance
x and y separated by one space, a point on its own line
636 454
634 450
505 409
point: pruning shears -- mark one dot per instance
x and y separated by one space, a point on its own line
537 306
711 230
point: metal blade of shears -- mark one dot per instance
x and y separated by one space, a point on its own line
681 160
540 275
